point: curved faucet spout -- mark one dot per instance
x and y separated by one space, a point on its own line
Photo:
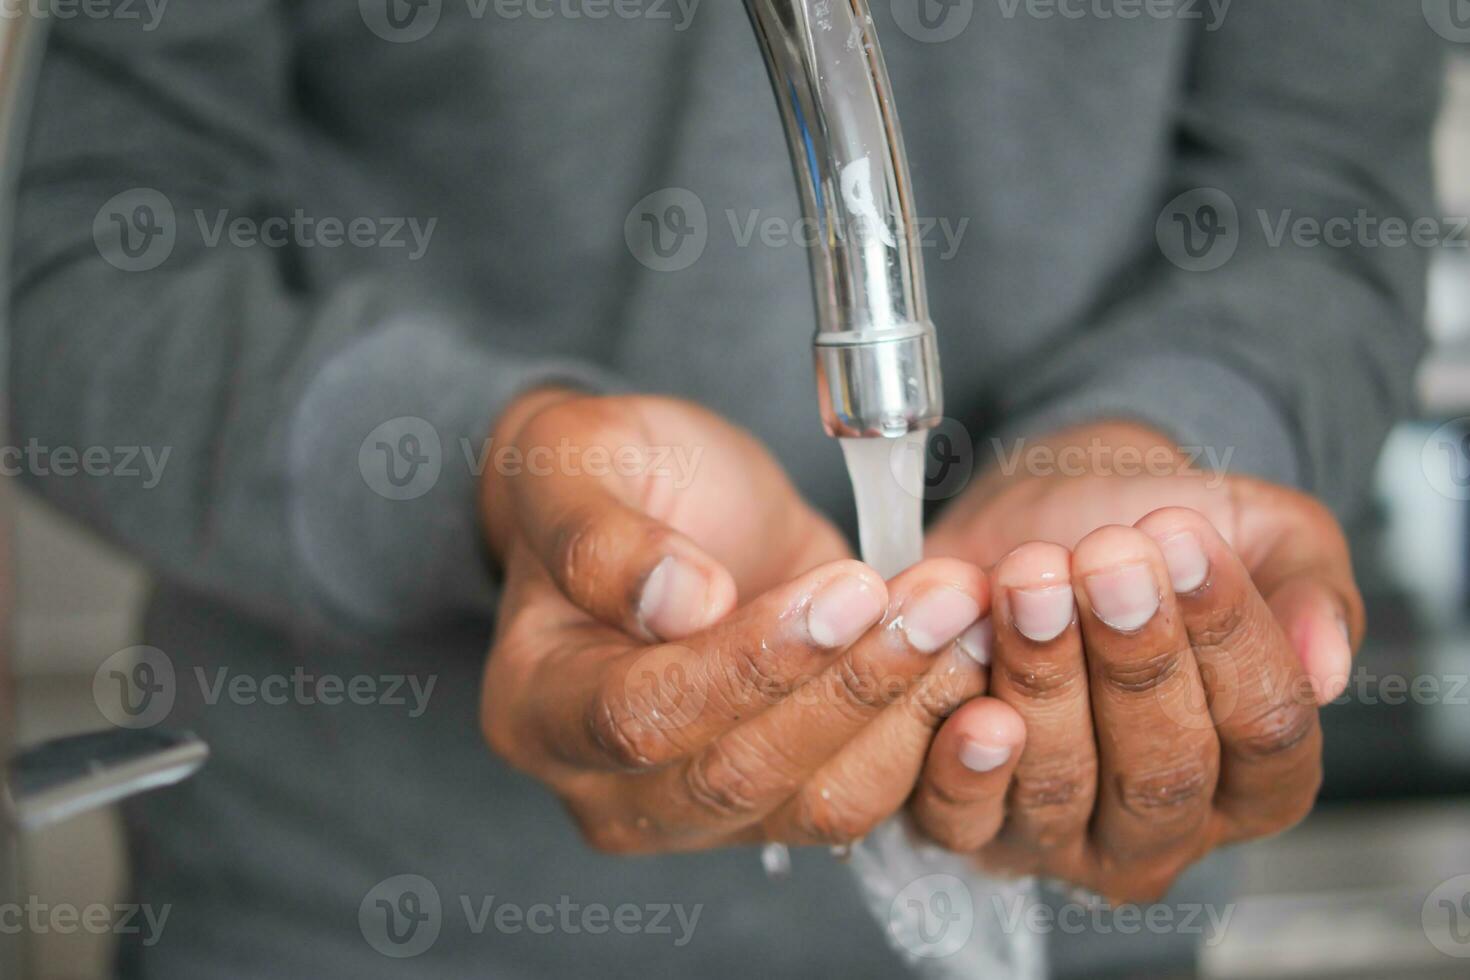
876 352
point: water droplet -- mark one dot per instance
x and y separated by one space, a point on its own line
776 859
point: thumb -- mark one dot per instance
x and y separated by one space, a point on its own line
621 566
1298 556
1315 619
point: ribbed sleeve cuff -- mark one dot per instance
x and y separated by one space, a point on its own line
1203 405
387 446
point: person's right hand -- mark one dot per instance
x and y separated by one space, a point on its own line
686 655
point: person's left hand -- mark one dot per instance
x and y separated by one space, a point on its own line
1162 640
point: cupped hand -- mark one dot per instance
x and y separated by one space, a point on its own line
687 656
1162 641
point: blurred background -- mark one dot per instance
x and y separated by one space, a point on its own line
1350 893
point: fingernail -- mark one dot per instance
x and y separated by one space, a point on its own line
673 599
979 757
937 617
978 641
1125 597
1188 566
1041 615
841 611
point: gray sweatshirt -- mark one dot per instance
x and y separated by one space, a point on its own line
300 256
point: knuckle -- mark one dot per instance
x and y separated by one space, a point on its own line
929 708
1220 627
1181 788
1141 675
858 689
1059 799
1275 732
1042 681
720 783
625 733
750 679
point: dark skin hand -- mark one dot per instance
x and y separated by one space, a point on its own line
693 665
698 663
1162 641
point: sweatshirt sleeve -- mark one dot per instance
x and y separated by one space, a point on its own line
303 445
1275 314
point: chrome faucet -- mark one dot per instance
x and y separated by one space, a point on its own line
877 355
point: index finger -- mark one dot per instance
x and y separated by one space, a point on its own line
615 707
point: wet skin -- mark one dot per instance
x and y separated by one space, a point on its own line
1099 677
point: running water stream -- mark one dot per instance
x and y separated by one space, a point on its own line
937 908
887 481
